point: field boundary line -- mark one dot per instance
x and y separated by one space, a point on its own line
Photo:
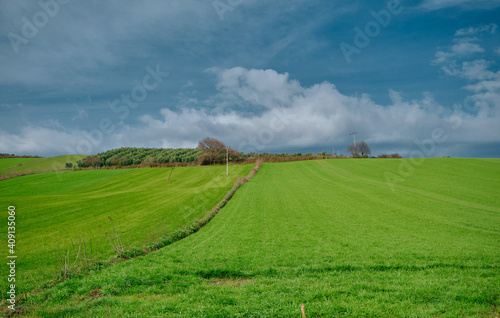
130 253
199 224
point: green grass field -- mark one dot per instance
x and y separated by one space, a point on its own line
55 211
36 165
12 162
331 234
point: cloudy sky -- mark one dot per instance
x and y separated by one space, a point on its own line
417 77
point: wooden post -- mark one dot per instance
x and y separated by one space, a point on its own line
171 173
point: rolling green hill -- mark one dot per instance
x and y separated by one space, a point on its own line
13 162
56 211
331 234
38 165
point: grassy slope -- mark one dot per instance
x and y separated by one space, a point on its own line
330 234
37 165
12 162
55 210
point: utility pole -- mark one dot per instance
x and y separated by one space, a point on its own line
227 161
354 138
354 141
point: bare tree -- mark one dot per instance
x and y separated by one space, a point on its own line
353 150
212 150
360 150
363 148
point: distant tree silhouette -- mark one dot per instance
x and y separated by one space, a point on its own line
353 150
363 148
212 150
92 161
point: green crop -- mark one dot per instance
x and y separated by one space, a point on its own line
22 166
69 220
333 235
13 162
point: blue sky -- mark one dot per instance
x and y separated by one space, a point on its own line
420 78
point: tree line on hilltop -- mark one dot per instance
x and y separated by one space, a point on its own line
209 151
124 157
6 155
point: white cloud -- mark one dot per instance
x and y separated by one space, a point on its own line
498 50
477 70
491 28
464 47
484 86
259 87
292 118
38 140
482 108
